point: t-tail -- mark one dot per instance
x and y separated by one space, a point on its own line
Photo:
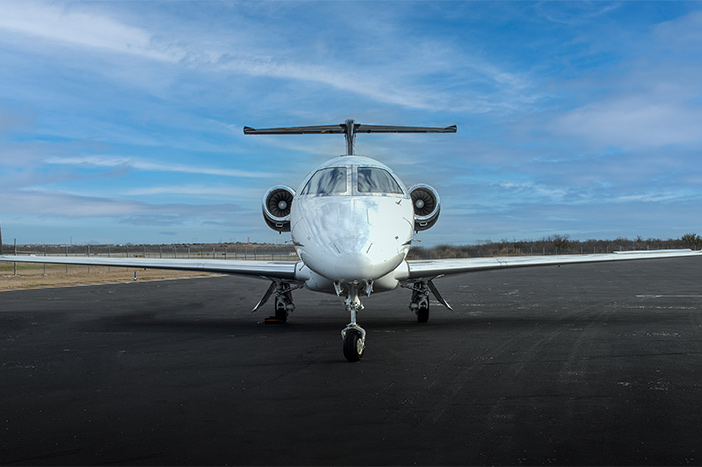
349 129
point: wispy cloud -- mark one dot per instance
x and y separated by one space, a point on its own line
152 166
74 25
42 202
634 123
217 191
575 13
400 79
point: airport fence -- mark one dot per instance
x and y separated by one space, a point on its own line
223 251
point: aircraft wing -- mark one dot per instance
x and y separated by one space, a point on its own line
267 269
431 268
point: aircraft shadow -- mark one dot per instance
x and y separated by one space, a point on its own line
150 321
159 322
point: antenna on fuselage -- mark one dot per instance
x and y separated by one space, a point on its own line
349 129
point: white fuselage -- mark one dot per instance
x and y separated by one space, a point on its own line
351 222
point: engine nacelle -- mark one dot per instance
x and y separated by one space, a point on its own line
276 207
425 201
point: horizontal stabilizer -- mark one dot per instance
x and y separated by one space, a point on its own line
340 129
297 130
403 129
349 129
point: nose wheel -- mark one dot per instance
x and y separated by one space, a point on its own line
354 343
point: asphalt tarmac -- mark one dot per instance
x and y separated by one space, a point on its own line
585 364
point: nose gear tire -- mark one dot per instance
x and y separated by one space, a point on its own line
353 346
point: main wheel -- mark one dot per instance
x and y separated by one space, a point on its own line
423 314
281 314
353 346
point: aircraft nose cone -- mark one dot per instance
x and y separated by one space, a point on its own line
350 267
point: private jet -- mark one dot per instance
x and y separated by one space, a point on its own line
352 222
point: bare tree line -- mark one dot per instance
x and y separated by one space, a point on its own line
554 245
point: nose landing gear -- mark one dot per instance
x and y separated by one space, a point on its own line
353 335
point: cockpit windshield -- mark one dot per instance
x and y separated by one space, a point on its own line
327 181
376 180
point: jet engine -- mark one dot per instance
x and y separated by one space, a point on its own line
425 201
276 207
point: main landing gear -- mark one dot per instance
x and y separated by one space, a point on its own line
283 300
419 303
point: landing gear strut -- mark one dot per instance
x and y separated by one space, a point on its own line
353 335
283 305
283 299
419 303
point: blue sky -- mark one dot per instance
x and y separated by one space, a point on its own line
122 121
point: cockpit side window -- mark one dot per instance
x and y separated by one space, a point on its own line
327 181
376 180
